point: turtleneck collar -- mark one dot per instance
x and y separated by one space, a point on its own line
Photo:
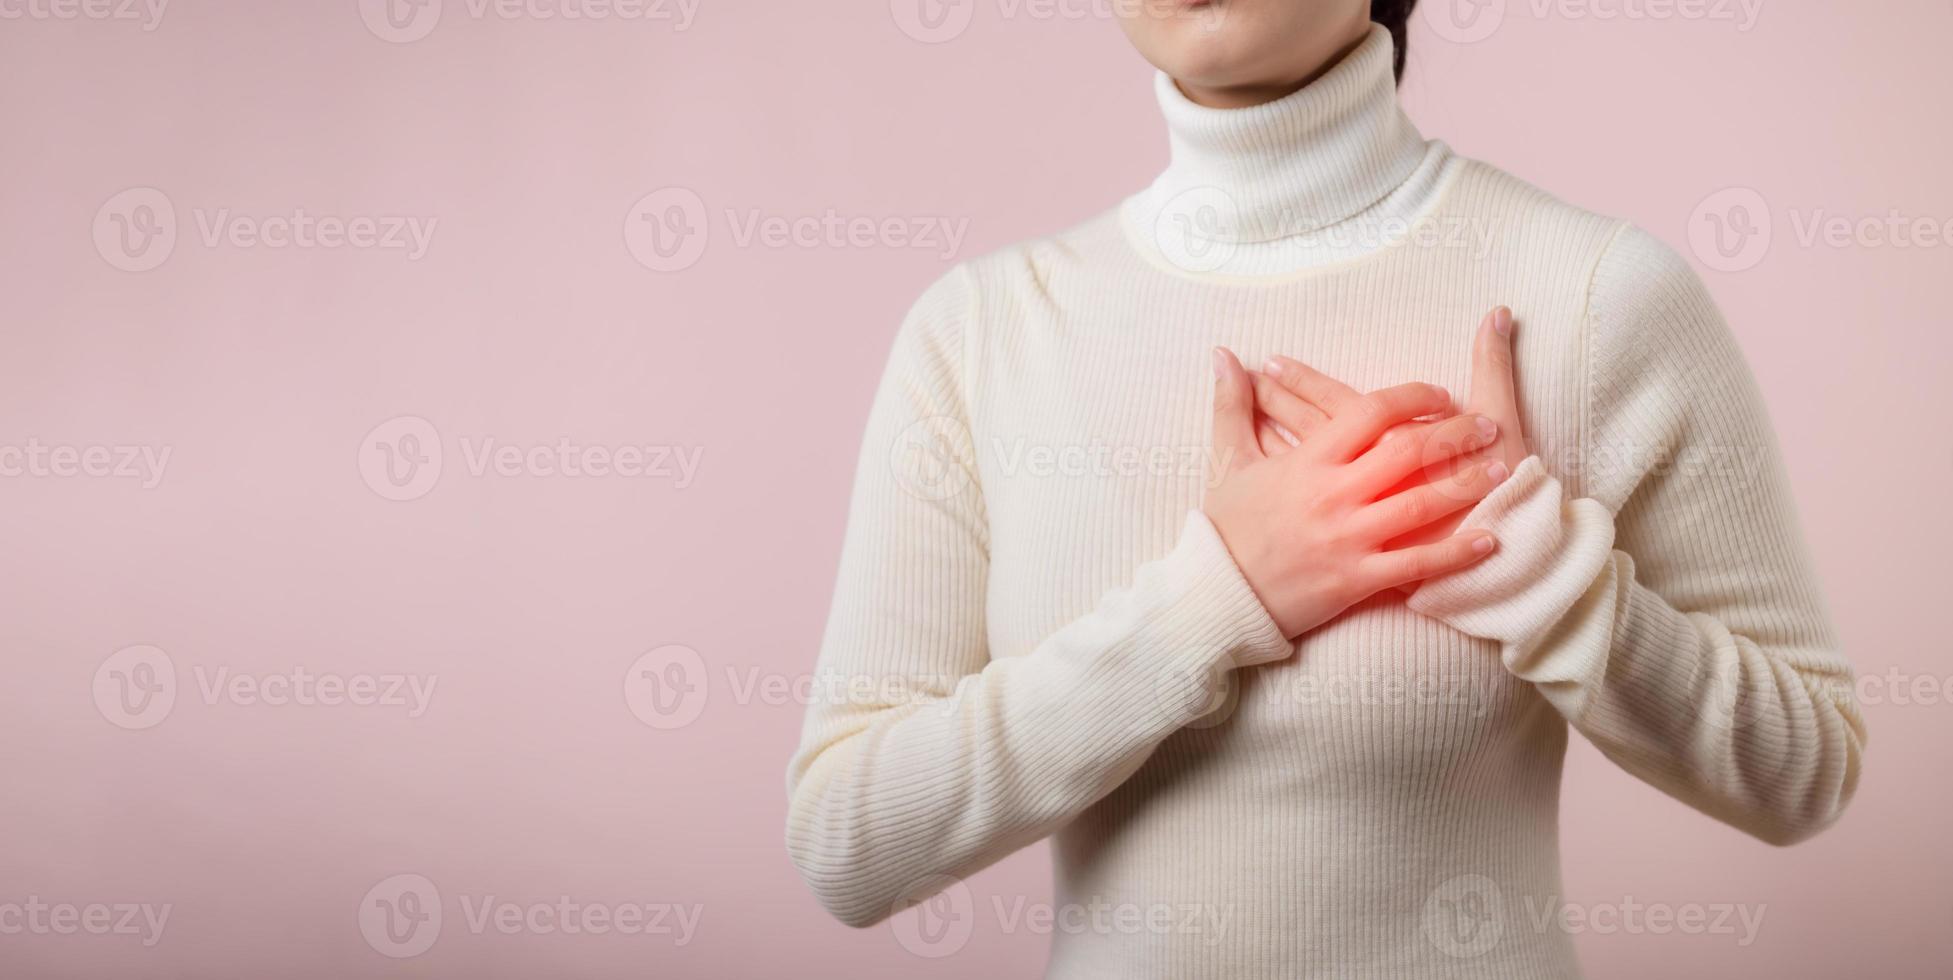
1268 183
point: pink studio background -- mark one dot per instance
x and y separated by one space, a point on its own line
526 599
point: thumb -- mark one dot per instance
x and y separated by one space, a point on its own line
1234 412
1493 390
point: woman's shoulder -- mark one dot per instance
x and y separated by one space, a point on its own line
1618 260
1640 299
1030 267
1523 215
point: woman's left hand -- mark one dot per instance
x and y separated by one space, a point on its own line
1302 400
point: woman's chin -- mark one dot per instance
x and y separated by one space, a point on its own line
1212 61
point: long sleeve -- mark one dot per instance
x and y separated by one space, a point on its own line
1670 612
923 757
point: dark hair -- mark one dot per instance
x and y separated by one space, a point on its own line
1395 15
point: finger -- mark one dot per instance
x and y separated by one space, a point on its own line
1403 429
1440 470
1287 408
1274 439
1493 390
1402 513
1234 412
1370 416
1391 461
1390 569
1411 430
1316 388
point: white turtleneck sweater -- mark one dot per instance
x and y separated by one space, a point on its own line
1036 633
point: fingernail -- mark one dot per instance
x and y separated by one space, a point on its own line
1502 321
1272 367
1488 430
1220 364
1497 472
1442 393
1483 545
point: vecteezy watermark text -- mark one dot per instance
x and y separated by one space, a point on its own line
1471 21
1466 916
936 917
403 916
137 688
62 461
670 230
406 21
137 230
669 687
403 458
937 458
1734 229
148 13
39 917
937 21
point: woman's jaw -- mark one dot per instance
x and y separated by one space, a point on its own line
1237 53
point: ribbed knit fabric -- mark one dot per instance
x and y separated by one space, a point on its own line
1036 634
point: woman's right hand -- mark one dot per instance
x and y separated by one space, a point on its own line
1308 527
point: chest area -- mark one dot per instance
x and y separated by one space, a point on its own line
1093 432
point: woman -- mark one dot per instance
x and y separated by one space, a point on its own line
1324 697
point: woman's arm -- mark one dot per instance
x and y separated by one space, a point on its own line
922 758
1671 614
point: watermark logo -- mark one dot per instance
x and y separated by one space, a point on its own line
135 688
937 917
668 230
932 21
135 231
1731 230
1464 21
941 917
401 916
400 21
1203 923
670 686
937 458
1734 229
1199 229
1206 230
666 687
1199 697
400 459
1465 916
933 458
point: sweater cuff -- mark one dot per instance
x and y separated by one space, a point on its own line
1551 550
1215 604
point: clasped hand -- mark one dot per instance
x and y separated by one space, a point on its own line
1329 496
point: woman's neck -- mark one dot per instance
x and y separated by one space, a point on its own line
1264 184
